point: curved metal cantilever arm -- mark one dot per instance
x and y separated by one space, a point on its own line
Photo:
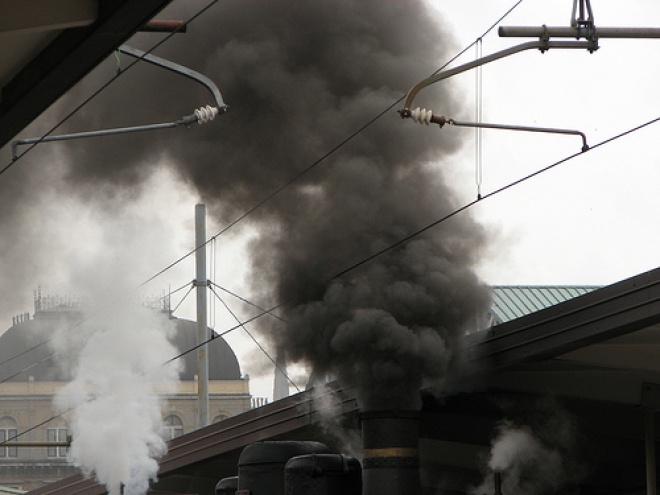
542 45
524 128
424 116
179 69
200 115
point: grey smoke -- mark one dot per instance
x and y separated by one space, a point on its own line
299 77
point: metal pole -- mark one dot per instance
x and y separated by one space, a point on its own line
649 443
13 443
202 333
185 121
542 45
577 32
424 116
523 128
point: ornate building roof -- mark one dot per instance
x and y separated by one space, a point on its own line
26 353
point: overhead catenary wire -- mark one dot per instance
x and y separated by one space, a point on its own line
65 349
437 222
99 90
258 344
478 114
320 160
258 204
240 298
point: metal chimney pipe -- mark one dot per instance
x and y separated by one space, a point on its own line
390 456
201 283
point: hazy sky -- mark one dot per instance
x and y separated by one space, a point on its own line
593 220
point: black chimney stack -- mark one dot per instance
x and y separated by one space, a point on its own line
390 459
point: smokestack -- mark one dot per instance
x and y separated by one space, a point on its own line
390 459
498 483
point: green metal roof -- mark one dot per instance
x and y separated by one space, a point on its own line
513 301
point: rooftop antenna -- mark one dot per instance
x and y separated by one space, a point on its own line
585 36
200 115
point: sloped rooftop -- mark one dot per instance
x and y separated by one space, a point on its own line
597 355
514 301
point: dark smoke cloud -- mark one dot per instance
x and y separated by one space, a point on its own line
300 76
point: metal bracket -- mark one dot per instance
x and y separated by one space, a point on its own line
179 69
200 115
580 20
424 116
539 44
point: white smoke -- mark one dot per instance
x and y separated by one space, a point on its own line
327 404
536 457
115 413
527 465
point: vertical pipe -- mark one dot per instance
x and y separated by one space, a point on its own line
390 459
202 333
280 381
649 437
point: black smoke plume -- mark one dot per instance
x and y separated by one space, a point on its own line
299 77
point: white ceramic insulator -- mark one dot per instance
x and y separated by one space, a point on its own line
421 115
206 114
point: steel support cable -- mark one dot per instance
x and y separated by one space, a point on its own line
326 155
66 349
59 415
478 113
400 242
42 360
261 203
191 286
415 234
276 192
494 193
7 443
463 208
26 351
254 339
105 85
240 298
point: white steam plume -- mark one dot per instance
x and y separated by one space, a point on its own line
116 416
536 455
527 465
327 404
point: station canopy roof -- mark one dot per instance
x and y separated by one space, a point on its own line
47 46
594 357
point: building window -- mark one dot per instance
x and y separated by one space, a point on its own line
172 427
57 435
8 434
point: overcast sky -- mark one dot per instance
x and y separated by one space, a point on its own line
594 219
591 221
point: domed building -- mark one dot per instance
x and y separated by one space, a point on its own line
31 373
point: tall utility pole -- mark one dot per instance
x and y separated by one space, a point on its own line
201 283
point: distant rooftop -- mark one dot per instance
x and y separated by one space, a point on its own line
513 301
